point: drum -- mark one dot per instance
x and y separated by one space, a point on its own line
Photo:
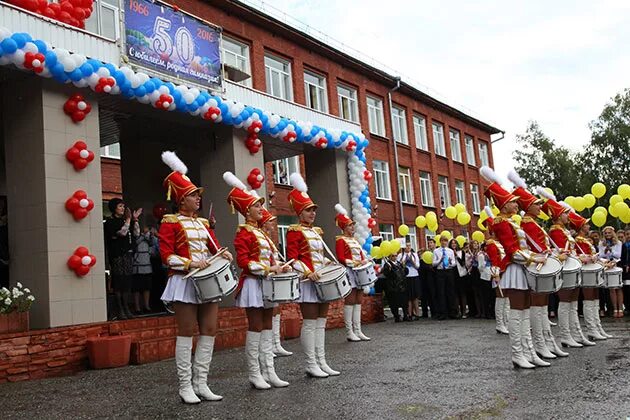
612 277
281 288
333 283
365 274
592 275
215 281
544 278
571 273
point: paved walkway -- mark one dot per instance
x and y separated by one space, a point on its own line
425 369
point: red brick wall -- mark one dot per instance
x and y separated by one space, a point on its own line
111 178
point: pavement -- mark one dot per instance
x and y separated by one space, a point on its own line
426 369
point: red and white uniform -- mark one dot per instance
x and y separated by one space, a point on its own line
512 237
254 256
306 246
562 238
350 254
496 255
584 246
537 238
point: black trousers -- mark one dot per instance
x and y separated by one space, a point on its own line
427 294
445 294
397 300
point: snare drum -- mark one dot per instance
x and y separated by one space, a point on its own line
612 277
365 275
592 275
215 281
333 283
281 288
571 273
546 279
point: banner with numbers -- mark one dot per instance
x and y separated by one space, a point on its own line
172 43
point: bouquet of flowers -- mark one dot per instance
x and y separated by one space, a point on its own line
17 299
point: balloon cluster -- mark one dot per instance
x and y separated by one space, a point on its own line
386 249
617 207
253 143
79 155
429 220
255 179
81 261
77 108
458 211
72 12
79 205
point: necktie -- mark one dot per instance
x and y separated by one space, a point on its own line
445 260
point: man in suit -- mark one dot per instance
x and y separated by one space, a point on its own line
445 263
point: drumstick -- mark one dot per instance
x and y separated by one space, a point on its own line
210 261
500 291
287 263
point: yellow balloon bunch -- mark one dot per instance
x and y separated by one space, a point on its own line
478 236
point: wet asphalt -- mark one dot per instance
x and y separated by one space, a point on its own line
426 369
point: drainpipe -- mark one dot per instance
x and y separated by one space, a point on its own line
391 120
500 138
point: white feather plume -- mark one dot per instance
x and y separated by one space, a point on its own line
544 193
297 182
173 162
233 181
489 175
488 211
566 205
340 209
514 177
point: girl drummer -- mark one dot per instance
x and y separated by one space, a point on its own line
350 254
254 255
306 246
610 251
186 243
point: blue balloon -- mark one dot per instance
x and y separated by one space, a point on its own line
170 86
140 91
51 59
27 37
76 75
193 107
282 124
119 77
94 63
41 46
127 93
149 86
177 96
60 76
86 69
9 46
20 39
238 120
180 104
156 82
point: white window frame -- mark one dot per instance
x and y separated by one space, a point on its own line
460 191
412 237
420 132
399 119
235 59
286 88
426 190
98 15
376 118
456 147
470 150
474 193
381 179
388 234
292 164
484 159
405 184
438 139
282 238
444 193
320 91
351 100
429 234
106 151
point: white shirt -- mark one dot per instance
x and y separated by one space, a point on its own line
437 258
415 263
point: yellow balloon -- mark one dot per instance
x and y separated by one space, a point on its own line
460 207
589 200
543 216
602 209
621 208
376 252
461 240
570 200
495 210
579 203
598 218
395 246
386 249
483 216
480 225
421 221
437 238
624 191
612 211
432 226
450 212
478 236
463 218
446 234
403 230
549 190
431 218
517 219
625 217
427 257
598 189
615 198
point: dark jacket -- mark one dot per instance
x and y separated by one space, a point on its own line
395 277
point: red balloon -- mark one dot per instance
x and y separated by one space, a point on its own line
80 194
73 154
81 24
64 16
81 251
74 261
80 213
78 116
88 12
78 13
55 7
87 3
80 144
42 4
90 157
49 13
93 260
80 164
66 6
90 205
88 108
71 105
72 204
82 270
30 5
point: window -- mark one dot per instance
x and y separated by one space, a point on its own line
348 106
375 116
282 168
236 59
429 234
445 197
278 77
283 227
104 19
460 195
438 139
426 190
400 125
420 132
474 192
381 170
411 237
470 151
483 153
405 185
111 151
488 202
456 150
315 91
386 231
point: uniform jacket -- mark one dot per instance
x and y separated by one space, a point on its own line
254 253
305 245
512 237
349 251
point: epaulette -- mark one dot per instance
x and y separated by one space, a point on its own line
295 228
204 222
528 219
556 227
318 230
170 218
500 218
247 227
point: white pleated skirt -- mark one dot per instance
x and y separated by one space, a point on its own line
179 289
514 278
352 278
308 294
251 295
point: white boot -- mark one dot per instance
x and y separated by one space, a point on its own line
598 320
320 347
356 323
266 360
538 337
575 328
566 340
201 366
499 306
550 341
278 350
528 346
183 350
252 345
518 358
347 320
506 313
307 337
590 314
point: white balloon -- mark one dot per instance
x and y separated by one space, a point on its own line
30 47
195 92
4 33
188 98
163 90
86 260
135 81
78 59
68 64
255 116
115 90
18 58
80 83
144 99
103 72
143 77
93 79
